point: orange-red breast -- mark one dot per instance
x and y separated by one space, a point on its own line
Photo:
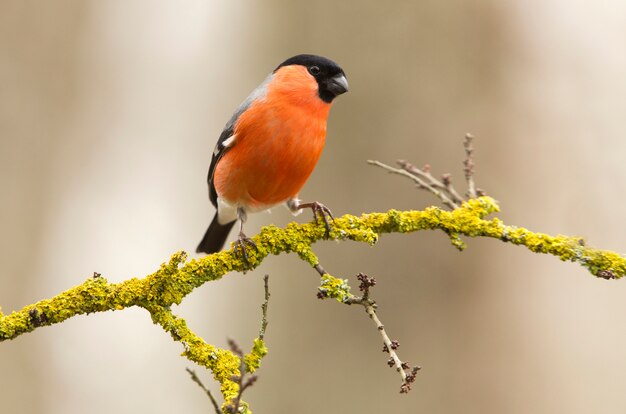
270 146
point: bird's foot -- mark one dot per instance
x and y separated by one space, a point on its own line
319 210
240 246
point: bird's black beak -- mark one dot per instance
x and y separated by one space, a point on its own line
338 84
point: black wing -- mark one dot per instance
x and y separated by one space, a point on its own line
219 152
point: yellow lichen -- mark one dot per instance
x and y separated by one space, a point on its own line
177 278
332 287
253 359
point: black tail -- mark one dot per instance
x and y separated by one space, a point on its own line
215 237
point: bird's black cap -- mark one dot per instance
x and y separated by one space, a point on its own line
329 75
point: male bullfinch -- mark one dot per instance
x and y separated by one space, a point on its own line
270 146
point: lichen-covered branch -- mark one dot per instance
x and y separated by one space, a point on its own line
248 364
177 278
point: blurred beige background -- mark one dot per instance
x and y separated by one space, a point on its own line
109 112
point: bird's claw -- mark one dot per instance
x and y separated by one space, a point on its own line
320 210
240 245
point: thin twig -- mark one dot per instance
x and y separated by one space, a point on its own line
264 306
443 188
233 406
195 379
369 309
468 163
320 269
445 184
419 181
390 346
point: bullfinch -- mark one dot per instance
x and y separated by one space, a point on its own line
270 146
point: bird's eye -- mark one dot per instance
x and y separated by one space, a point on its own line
314 70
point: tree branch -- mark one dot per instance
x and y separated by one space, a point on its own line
177 278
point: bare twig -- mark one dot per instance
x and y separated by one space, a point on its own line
420 182
443 188
446 179
240 380
264 306
381 328
406 372
233 407
468 163
320 269
195 379
389 346
445 184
